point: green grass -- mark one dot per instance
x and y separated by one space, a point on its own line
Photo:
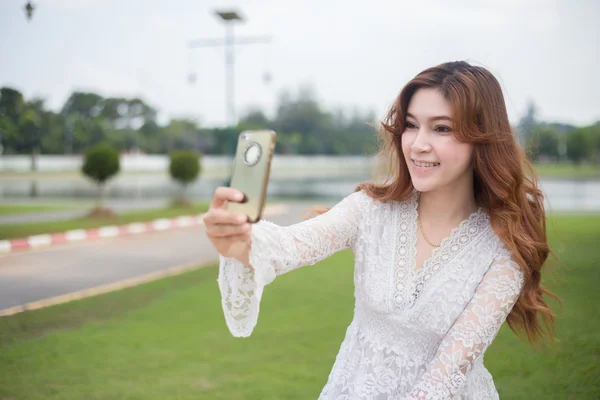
16 209
567 171
168 339
572 369
11 231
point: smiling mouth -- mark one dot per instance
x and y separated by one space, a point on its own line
425 164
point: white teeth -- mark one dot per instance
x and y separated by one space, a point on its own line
420 164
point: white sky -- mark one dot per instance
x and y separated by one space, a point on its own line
353 53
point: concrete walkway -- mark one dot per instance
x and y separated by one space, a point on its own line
71 268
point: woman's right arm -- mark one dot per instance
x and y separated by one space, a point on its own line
270 250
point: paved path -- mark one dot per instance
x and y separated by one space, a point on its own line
42 274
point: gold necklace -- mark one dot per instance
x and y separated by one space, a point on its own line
423 233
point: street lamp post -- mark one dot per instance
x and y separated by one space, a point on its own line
229 17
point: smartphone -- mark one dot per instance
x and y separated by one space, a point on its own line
251 169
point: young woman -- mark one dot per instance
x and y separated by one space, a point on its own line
446 250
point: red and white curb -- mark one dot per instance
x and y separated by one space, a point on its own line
79 235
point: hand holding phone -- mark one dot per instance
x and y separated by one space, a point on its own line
229 232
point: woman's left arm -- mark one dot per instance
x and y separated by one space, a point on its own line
472 332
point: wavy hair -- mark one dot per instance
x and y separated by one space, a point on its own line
505 183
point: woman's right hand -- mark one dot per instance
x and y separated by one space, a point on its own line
229 232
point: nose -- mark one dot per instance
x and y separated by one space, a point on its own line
421 143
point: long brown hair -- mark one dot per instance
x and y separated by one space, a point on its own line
505 183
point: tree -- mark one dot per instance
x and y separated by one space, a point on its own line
84 124
595 133
225 140
354 132
86 119
100 164
184 168
11 103
579 145
125 113
527 123
180 134
55 138
23 125
591 135
84 104
11 110
303 115
30 128
543 142
254 119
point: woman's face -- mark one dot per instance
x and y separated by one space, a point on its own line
434 157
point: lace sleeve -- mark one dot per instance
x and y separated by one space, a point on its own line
276 250
472 333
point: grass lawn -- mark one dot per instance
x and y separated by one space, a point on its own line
567 171
11 231
16 209
168 339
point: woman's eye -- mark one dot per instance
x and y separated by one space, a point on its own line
409 125
443 128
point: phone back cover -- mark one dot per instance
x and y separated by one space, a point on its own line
250 172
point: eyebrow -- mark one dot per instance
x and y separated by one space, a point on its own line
436 118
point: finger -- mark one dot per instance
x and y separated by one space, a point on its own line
224 194
242 237
219 216
222 231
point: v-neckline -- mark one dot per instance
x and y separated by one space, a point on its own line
410 282
447 239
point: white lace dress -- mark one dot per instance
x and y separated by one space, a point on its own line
416 334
